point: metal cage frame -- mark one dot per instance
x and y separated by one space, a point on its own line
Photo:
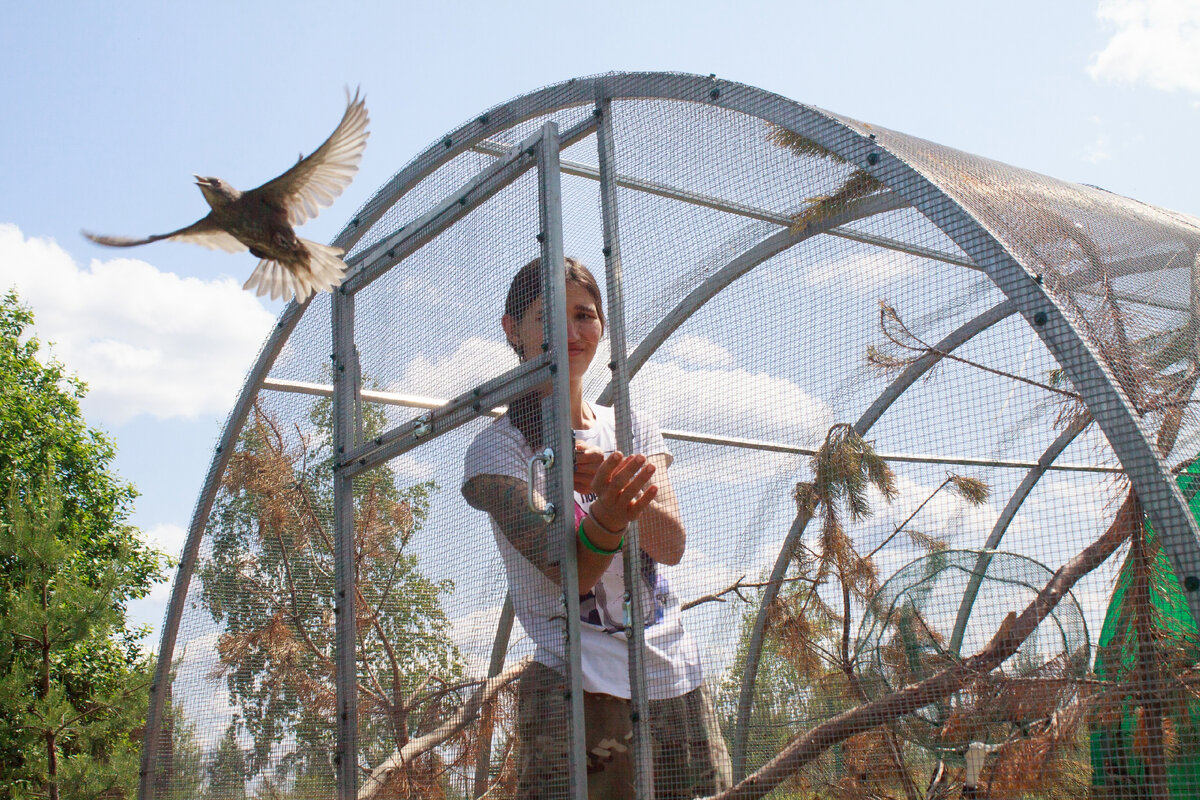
876 151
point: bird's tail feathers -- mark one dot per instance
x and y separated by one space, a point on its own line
324 272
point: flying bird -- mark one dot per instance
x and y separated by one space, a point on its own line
262 220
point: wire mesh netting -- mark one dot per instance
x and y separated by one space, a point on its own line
893 552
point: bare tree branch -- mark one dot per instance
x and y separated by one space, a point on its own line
736 587
417 747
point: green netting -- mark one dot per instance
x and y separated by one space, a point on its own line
1119 752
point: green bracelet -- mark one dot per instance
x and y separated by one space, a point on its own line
588 543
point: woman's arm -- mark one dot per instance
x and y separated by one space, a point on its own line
660 527
624 492
505 499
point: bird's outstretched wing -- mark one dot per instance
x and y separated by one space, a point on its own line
205 232
315 181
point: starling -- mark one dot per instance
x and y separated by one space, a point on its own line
262 219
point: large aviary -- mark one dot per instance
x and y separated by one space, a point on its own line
262 219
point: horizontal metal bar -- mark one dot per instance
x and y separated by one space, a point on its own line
582 170
740 209
419 401
383 398
902 247
914 458
373 261
449 415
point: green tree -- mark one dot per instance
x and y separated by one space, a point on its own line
227 772
45 440
56 611
66 549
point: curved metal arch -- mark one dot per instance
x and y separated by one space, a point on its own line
400 184
1103 395
744 262
1068 435
1097 386
1112 409
187 562
907 378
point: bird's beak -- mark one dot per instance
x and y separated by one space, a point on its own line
201 181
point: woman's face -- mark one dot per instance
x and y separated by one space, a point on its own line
584 329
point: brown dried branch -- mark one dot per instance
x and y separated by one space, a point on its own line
1012 633
800 145
419 746
905 339
1045 760
973 490
396 708
857 185
910 517
736 588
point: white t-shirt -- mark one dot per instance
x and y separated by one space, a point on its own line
672 658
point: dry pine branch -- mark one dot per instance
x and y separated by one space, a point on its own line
1015 629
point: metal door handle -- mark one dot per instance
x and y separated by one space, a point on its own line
546 458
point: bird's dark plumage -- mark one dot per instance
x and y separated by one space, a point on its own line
262 220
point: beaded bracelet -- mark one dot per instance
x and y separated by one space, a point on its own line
588 542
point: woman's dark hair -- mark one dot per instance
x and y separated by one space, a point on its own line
526 287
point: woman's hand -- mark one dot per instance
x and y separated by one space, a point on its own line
623 490
588 459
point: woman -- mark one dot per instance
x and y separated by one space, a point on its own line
612 489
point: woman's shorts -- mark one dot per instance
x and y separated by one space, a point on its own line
690 757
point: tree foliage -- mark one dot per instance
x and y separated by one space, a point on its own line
268 582
74 675
44 440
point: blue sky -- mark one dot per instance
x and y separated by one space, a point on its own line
109 109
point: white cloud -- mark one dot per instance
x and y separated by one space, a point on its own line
1098 151
145 341
736 402
166 537
1156 42
864 272
698 351
198 688
169 539
410 469
734 467
701 573
444 377
475 632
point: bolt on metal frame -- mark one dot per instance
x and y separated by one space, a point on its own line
1101 393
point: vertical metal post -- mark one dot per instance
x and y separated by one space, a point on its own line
643 761
345 393
483 760
560 436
